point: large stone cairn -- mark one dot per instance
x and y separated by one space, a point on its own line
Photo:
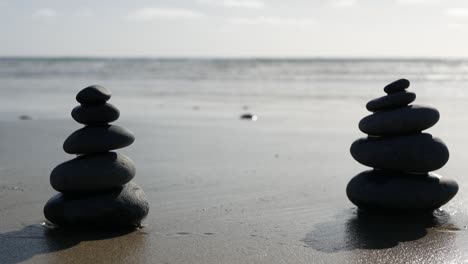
402 156
95 187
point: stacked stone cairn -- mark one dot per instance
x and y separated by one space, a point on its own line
95 187
402 157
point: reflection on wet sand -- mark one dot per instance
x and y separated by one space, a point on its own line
401 237
21 245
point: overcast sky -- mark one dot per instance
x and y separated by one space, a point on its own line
235 28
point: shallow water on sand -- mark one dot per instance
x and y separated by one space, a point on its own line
44 86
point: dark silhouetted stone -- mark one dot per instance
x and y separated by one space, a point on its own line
25 117
397 86
94 94
95 114
402 157
92 139
412 153
391 101
249 116
124 207
375 189
93 172
404 120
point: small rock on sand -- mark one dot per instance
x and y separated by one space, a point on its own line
24 117
249 116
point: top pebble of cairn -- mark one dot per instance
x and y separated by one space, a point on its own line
93 95
397 86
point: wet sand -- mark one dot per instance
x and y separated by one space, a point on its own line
225 190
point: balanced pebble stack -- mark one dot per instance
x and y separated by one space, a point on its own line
95 187
402 157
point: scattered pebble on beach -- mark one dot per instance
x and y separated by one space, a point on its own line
249 116
24 117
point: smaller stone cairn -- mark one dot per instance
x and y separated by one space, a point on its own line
402 156
95 187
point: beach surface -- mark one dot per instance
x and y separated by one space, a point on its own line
226 190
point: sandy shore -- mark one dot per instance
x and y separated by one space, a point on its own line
223 190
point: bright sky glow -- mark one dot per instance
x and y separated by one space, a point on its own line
235 28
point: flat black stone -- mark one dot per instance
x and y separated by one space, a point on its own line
408 119
93 172
249 116
124 207
397 86
391 101
411 153
94 94
95 114
91 139
375 189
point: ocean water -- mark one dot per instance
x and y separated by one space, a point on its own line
47 84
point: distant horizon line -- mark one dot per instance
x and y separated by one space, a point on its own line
151 57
